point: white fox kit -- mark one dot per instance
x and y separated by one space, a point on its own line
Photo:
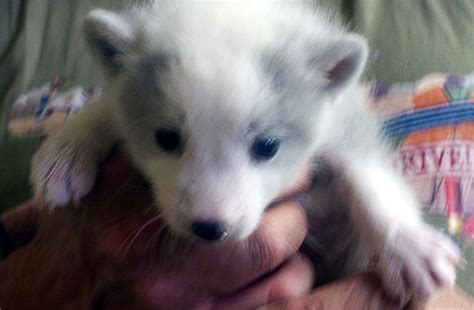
222 105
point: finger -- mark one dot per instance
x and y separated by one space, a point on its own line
357 292
283 229
304 181
21 222
117 160
114 170
294 279
448 298
118 183
279 236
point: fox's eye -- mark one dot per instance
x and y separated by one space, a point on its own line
264 149
169 140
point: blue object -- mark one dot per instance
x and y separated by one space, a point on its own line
42 106
406 123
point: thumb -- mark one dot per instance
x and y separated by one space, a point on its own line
293 279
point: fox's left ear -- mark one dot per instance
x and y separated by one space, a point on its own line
109 35
341 61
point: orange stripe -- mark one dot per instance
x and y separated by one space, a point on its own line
430 135
430 97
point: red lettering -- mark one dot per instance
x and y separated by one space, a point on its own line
438 157
455 162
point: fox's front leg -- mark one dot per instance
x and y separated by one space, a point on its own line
410 256
65 167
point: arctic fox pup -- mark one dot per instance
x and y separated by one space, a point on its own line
222 105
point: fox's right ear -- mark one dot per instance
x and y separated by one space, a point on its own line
109 35
341 61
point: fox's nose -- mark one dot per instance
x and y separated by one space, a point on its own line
210 231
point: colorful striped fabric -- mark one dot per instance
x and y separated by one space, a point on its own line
432 124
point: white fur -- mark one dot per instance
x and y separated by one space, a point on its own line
208 70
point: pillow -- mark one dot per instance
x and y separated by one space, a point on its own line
431 123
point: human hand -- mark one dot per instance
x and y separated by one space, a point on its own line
114 252
362 291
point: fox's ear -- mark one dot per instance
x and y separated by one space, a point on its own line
341 61
109 35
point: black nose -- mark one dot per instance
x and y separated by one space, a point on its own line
210 231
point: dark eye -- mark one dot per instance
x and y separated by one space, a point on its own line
264 149
169 140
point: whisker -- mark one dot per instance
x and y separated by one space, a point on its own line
122 187
275 234
152 245
258 251
314 243
137 233
269 251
